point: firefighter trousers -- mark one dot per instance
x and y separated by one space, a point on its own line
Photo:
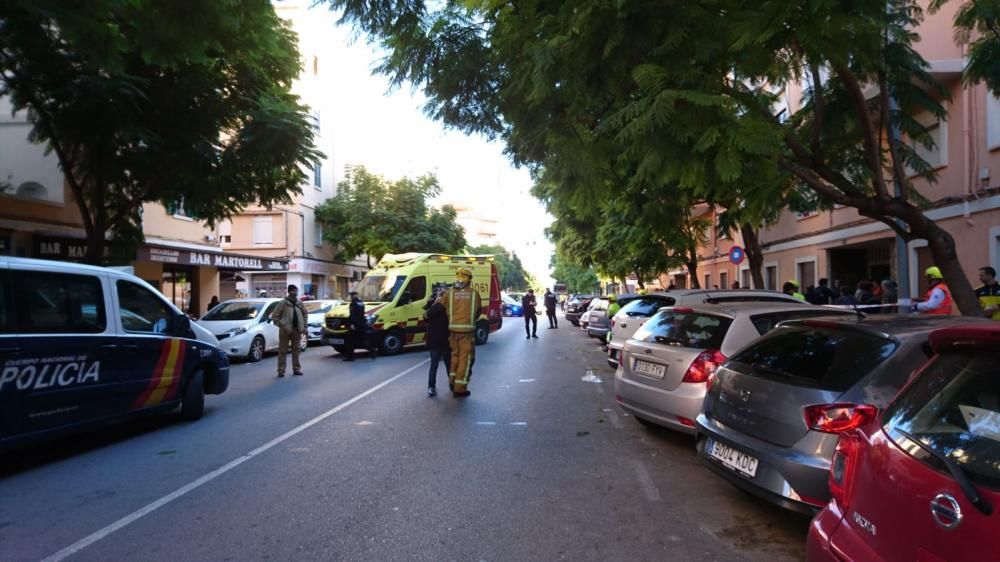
463 355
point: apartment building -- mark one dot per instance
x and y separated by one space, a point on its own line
843 246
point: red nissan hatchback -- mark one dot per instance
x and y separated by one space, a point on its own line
922 481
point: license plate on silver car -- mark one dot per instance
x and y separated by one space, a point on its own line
731 458
649 369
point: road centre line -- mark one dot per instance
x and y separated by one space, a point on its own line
184 490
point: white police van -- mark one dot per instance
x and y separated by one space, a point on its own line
82 346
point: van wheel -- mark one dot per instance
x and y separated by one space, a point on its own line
482 333
341 349
193 404
392 342
304 342
256 350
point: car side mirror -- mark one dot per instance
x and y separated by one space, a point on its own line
182 325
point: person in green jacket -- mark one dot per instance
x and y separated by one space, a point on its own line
614 307
792 288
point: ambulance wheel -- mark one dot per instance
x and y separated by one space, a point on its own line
392 342
256 350
304 342
193 404
482 333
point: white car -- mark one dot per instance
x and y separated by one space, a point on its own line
634 314
317 310
244 327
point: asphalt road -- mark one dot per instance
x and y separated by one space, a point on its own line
354 462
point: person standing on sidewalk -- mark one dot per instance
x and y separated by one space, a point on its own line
550 309
437 341
290 317
528 303
357 326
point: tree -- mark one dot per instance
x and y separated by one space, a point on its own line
513 276
978 24
578 279
373 216
582 89
159 102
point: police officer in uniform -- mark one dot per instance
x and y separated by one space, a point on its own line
989 292
463 306
357 325
937 300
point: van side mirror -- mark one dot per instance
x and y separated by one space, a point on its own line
182 326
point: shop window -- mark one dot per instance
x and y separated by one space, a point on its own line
58 303
176 285
262 231
141 311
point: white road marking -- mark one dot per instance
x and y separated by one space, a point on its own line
646 482
526 380
365 422
184 490
518 423
486 423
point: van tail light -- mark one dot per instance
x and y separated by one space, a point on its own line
704 366
843 467
838 418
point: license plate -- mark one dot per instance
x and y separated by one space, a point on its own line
732 459
649 369
335 341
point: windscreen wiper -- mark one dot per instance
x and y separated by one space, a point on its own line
981 503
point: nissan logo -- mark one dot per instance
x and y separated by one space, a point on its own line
946 511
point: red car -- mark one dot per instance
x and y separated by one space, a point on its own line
922 481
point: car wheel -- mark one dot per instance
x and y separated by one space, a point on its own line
304 342
482 333
340 349
256 350
193 403
392 342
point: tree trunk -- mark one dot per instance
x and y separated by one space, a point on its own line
754 254
95 243
942 247
692 267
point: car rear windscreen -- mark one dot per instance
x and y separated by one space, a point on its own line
820 357
647 306
691 330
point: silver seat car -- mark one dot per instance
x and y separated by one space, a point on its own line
634 314
774 412
666 364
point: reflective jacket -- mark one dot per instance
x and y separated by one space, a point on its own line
944 309
464 307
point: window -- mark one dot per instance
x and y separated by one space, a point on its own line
824 358
268 311
724 280
693 330
937 155
262 231
318 176
226 233
806 274
992 122
315 65
646 306
746 279
708 281
58 303
141 311
416 289
764 323
771 277
318 232
180 209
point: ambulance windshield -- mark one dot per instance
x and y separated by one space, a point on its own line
380 288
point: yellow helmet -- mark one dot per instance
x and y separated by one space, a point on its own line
463 274
933 272
612 298
794 282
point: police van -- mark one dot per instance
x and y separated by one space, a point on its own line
397 290
82 346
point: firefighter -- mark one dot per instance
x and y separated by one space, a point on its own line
464 306
937 300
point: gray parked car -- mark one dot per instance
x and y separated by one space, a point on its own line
775 410
667 363
600 324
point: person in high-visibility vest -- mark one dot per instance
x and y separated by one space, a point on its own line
464 306
937 300
614 307
989 293
791 288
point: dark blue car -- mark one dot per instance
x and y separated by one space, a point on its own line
511 307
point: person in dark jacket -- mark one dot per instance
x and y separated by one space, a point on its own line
528 303
846 297
550 309
357 326
437 341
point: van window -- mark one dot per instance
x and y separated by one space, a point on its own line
141 311
58 303
826 358
6 306
698 331
417 288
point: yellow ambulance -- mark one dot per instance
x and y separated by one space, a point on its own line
396 291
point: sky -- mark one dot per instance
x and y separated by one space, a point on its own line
388 133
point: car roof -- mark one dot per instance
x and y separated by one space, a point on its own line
898 325
263 300
733 309
67 266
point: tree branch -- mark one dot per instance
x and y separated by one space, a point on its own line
871 142
820 104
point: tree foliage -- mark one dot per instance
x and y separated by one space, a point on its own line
578 279
147 101
679 102
513 276
374 216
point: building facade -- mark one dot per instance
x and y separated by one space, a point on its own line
843 246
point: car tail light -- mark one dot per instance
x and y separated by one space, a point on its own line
838 418
687 422
842 468
704 366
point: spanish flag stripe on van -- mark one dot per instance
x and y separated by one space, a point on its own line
166 376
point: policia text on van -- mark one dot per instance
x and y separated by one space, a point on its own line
82 346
